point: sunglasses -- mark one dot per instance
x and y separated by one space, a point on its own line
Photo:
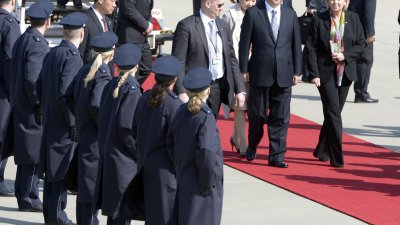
220 5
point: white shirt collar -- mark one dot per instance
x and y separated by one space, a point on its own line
205 19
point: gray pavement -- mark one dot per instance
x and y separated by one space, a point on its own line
249 201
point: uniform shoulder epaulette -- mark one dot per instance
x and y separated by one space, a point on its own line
73 52
205 108
131 83
36 38
10 19
103 68
172 94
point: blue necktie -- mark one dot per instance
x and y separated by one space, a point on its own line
274 24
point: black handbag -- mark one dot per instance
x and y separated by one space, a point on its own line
304 21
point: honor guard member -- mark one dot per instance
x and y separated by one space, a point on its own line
194 144
28 54
9 32
89 84
60 66
119 163
153 118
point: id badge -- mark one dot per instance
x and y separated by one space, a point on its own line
216 59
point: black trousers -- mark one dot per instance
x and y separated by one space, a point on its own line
110 221
54 202
3 164
85 214
145 64
214 100
27 186
330 138
271 106
364 66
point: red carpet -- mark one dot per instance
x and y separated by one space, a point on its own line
368 188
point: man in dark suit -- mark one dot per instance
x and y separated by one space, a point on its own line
287 3
133 27
196 44
366 12
9 32
97 22
272 31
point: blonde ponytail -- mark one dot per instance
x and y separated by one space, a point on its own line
121 81
100 58
195 101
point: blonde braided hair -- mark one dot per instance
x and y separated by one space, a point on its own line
125 75
100 58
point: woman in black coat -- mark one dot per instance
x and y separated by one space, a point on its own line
89 85
335 41
153 118
194 145
119 159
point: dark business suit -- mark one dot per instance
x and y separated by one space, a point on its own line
191 48
271 69
321 66
365 10
9 32
92 27
133 20
398 20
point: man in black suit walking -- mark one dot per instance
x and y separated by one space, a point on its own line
366 12
97 22
272 31
204 40
133 27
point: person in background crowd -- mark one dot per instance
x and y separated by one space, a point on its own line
98 22
63 3
234 17
153 118
274 66
365 10
9 32
29 50
89 84
205 30
194 146
314 7
118 146
332 65
55 92
134 27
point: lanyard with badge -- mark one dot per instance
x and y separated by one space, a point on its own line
217 57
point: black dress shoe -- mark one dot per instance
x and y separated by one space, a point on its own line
61 6
6 191
250 154
278 164
337 165
366 100
35 208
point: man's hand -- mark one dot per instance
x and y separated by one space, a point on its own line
183 97
370 39
245 77
72 133
337 57
316 81
149 29
239 99
296 79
